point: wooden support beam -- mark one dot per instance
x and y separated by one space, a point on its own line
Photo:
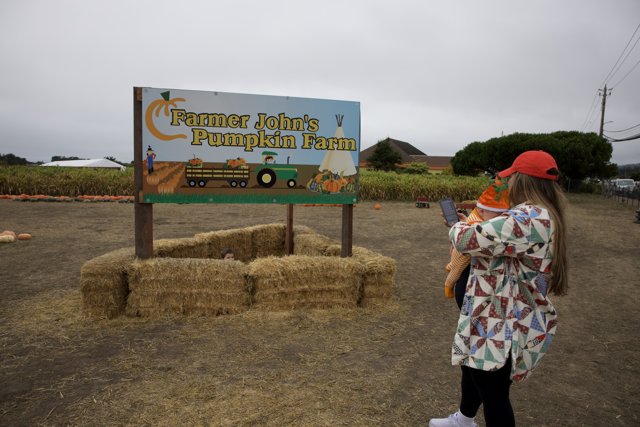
143 212
347 231
289 231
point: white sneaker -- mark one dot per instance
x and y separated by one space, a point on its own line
453 420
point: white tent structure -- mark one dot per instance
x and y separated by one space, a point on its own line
91 163
338 161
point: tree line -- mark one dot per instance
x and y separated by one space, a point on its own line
579 155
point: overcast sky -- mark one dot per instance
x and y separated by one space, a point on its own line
437 74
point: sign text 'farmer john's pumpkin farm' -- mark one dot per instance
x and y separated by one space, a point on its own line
215 147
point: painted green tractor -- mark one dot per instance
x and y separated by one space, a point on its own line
269 172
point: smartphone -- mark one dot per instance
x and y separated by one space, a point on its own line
448 207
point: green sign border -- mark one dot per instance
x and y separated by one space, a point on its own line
343 199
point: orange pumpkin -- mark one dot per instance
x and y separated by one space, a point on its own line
331 185
377 206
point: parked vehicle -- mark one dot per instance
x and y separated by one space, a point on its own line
624 184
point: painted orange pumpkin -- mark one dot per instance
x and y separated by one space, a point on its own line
332 186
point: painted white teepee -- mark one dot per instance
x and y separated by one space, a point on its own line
338 161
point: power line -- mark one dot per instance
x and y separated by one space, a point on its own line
621 53
623 130
590 112
631 138
625 76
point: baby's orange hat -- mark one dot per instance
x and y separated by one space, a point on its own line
495 198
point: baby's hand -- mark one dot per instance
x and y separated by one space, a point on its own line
462 215
448 292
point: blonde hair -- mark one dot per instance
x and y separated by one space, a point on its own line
548 194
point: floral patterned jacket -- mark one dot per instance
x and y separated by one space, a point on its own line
506 310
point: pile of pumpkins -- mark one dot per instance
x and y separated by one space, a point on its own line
8 236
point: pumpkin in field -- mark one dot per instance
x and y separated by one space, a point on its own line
7 236
377 206
24 236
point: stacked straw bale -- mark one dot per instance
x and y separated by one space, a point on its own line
187 277
300 281
239 240
303 229
189 286
268 240
311 244
104 283
379 277
180 248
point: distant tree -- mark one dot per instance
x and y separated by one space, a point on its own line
384 157
414 168
579 155
12 160
62 158
629 171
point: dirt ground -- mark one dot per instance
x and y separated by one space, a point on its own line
386 366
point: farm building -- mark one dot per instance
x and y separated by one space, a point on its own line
89 163
409 154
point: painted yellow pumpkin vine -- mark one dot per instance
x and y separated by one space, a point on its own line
156 106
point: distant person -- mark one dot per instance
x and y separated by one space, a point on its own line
507 321
492 202
227 254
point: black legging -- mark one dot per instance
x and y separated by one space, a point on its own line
490 389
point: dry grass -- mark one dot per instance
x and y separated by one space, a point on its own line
387 365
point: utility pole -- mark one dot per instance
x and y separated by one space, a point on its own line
604 103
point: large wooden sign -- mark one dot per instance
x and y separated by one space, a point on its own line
215 147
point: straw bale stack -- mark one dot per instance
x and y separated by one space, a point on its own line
300 281
267 240
378 280
180 248
189 286
303 229
239 240
104 284
311 244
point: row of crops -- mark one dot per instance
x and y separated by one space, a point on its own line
16 180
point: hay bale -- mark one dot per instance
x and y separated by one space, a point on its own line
268 240
378 280
356 251
303 229
104 283
311 244
180 248
239 240
300 281
187 286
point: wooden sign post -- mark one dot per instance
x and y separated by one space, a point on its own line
143 216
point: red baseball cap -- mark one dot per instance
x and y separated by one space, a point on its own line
533 163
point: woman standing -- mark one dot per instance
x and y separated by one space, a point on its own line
507 322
